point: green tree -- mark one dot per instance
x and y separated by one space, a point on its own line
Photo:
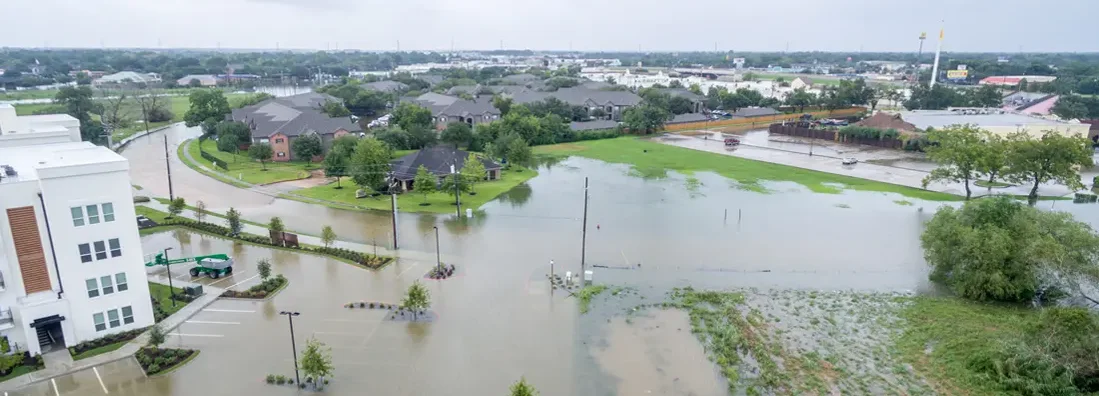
457 133
307 146
316 362
801 98
194 83
200 211
370 163
232 218
503 104
263 266
327 235
993 158
1053 157
473 171
424 182
206 104
645 118
79 104
958 150
176 206
696 89
276 225
408 115
416 299
986 96
156 336
335 109
261 152
522 388
231 135
519 152
335 164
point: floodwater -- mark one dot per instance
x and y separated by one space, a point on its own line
498 320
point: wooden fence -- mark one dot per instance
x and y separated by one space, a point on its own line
796 130
761 121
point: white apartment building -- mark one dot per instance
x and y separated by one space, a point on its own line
71 264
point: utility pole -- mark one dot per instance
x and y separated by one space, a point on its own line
168 166
935 67
393 200
584 232
171 289
293 345
438 256
457 181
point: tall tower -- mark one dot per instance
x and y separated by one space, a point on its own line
935 66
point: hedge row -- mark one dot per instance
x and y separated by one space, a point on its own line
868 132
260 291
155 360
105 340
215 160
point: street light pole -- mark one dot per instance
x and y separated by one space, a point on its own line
168 166
551 277
171 289
438 257
293 346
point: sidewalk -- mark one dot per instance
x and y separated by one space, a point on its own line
168 324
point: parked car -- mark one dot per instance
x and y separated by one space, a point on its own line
850 160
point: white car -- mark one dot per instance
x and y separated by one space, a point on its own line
850 161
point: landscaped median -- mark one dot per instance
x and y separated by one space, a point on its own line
652 159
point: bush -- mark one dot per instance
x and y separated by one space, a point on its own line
105 340
140 199
270 378
214 160
862 132
258 291
160 114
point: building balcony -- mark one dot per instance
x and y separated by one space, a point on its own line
6 319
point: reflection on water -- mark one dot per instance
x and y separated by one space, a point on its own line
517 196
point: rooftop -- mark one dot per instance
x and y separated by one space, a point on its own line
437 160
940 118
47 160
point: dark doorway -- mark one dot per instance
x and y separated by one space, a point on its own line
49 333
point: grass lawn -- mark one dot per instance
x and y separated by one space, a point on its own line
101 350
410 202
17 371
29 108
661 158
28 94
162 294
209 213
248 170
956 331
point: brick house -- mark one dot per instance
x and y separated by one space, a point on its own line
281 120
438 160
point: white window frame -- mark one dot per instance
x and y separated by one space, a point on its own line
107 211
100 247
120 282
117 321
93 287
80 250
92 218
127 319
98 319
78 219
106 285
114 247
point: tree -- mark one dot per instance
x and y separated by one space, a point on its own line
232 217
801 98
200 211
997 249
175 207
261 152
79 104
457 133
1053 157
503 104
307 146
473 171
206 104
424 182
416 299
335 164
986 96
231 135
420 136
370 163
645 118
316 362
335 109
696 89
276 225
194 83
408 115
958 150
522 388
263 266
156 336
115 110
518 152
327 235
993 159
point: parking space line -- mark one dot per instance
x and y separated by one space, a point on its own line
338 333
54 382
238 283
96 370
223 279
196 335
352 320
212 322
228 310
409 267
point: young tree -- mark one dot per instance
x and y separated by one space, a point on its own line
801 98
408 115
370 163
276 224
261 152
424 182
263 266
645 118
200 211
316 362
328 236
232 218
1053 157
453 184
994 158
307 146
335 109
958 152
231 134
522 388
176 206
156 336
518 152
473 171
457 133
416 299
335 165
206 104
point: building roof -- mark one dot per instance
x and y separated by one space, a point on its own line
592 125
521 78
293 116
688 117
437 159
445 105
385 86
755 112
205 79
684 93
431 79
924 119
57 160
129 75
458 89
883 120
580 96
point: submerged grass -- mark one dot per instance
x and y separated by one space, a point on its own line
586 294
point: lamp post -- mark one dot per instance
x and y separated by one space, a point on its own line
290 316
551 277
171 289
438 257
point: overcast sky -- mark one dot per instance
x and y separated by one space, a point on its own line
654 25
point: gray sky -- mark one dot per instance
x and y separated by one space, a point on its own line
655 25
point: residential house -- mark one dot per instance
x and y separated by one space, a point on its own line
439 160
446 109
592 125
613 103
281 120
385 86
698 101
801 83
204 80
127 77
520 79
884 120
71 262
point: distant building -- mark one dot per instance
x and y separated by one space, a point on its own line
281 120
996 121
613 103
204 80
385 86
1012 81
447 109
127 77
884 120
438 160
801 83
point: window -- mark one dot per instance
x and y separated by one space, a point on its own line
93 288
99 324
100 250
85 253
127 315
116 249
108 212
282 154
120 282
112 316
78 216
108 286
279 140
93 214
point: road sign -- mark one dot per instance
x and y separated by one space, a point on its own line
957 74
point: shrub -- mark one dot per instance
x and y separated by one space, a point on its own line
270 378
141 199
280 380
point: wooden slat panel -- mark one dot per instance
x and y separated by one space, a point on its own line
28 249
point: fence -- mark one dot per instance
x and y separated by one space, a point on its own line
215 160
752 122
796 130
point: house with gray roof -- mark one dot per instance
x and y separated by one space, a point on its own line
697 100
385 86
281 120
438 160
613 103
521 79
446 109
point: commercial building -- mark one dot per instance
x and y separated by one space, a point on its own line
993 120
204 80
71 264
127 77
1012 81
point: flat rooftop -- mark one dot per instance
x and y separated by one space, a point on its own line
940 118
29 160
